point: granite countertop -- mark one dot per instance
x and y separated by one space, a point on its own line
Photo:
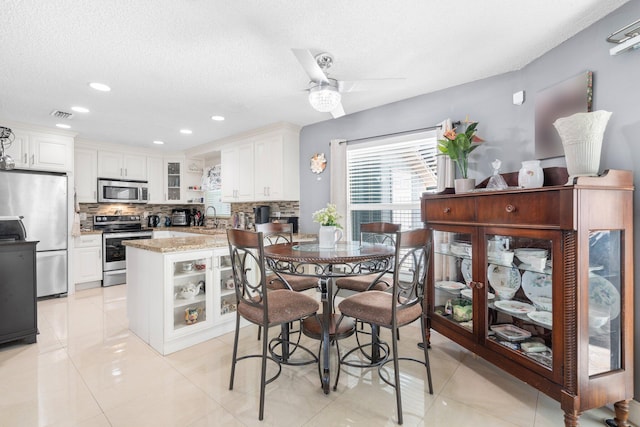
88 232
179 244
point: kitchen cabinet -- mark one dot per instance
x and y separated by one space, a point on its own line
155 179
276 168
87 258
41 151
540 283
116 165
237 173
225 301
174 183
86 175
187 308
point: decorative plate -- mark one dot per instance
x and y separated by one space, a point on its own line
465 269
543 317
514 307
603 293
450 286
538 288
467 293
510 332
318 163
505 281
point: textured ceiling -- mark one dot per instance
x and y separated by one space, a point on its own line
172 64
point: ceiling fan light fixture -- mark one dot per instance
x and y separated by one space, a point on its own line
324 97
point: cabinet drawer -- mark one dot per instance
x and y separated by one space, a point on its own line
527 208
462 209
89 240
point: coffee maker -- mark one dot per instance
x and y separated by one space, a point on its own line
261 214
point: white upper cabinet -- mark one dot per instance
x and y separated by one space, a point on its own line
41 151
237 173
263 168
117 165
155 179
86 175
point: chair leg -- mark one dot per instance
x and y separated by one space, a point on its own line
396 368
263 374
235 351
426 353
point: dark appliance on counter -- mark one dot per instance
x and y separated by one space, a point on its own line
115 230
261 214
122 191
41 199
180 217
18 287
153 221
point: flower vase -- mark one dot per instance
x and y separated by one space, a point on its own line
531 174
581 136
328 236
464 185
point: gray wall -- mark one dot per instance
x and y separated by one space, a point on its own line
507 129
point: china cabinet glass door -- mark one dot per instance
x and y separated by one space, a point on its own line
605 281
452 275
519 275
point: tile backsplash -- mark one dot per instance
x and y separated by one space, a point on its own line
284 208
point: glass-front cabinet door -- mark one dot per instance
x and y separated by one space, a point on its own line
604 301
520 294
189 294
452 277
226 303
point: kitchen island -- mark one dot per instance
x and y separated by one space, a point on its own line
179 290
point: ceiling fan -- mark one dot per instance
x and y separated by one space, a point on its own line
325 93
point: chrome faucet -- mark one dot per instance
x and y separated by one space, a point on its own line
215 215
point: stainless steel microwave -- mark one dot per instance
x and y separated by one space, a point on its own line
117 191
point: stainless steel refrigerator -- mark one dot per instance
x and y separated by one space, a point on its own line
41 198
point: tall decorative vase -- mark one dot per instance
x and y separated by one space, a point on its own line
328 236
581 136
464 185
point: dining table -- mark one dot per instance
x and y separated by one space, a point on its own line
327 264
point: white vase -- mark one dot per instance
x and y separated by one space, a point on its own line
328 236
531 174
464 185
581 136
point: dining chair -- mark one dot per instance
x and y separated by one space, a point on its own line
400 307
275 233
257 304
382 233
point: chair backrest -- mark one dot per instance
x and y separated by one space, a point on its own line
379 232
276 232
246 250
413 250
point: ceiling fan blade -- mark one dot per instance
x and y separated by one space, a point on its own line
338 111
371 84
308 62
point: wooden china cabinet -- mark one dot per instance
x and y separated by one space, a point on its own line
540 283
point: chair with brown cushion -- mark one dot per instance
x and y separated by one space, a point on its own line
276 233
259 305
398 308
377 233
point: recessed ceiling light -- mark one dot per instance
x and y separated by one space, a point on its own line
186 131
63 126
80 109
158 142
100 86
217 118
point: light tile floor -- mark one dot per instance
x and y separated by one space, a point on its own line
87 369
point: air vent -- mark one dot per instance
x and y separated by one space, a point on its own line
61 114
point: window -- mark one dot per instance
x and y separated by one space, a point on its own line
386 179
214 198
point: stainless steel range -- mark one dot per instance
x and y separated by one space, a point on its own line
115 230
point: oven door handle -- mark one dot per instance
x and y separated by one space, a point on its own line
125 235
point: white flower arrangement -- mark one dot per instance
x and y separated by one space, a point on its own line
328 216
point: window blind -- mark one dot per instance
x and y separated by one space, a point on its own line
386 179
214 198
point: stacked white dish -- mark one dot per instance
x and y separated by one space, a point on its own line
461 249
533 257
